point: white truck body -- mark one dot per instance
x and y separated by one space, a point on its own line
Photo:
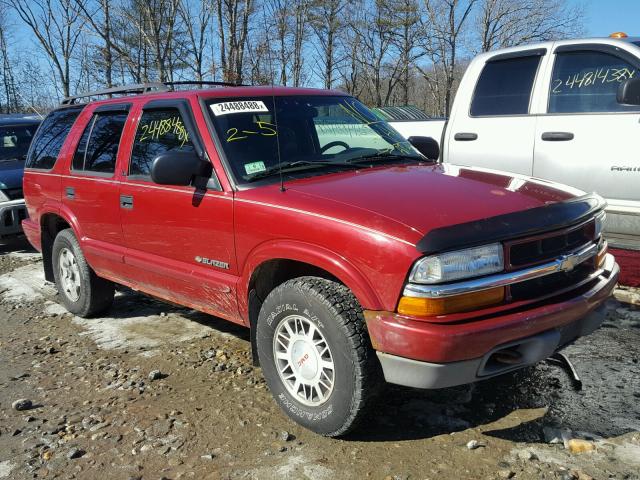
549 110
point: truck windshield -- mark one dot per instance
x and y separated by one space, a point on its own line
311 133
15 140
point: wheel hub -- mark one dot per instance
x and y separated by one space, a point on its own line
69 274
303 359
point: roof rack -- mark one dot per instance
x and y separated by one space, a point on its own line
141 88
213 84
123 90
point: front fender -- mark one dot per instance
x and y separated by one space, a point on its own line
315 255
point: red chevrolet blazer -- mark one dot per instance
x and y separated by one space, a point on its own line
352 255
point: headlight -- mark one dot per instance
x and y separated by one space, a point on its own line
3 197
600 219
446 267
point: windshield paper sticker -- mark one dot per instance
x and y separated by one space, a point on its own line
254 167
225 108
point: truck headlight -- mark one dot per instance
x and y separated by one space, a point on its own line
470 262
3 197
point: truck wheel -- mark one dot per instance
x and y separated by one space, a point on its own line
316 356
82 291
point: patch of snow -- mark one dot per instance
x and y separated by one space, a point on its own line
5 468
25 284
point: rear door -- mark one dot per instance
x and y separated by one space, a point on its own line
179 239
491 125
90 189
588 140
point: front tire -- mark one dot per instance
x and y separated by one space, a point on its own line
83 293
316 356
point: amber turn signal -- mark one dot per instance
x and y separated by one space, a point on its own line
429 307
618 35
601 256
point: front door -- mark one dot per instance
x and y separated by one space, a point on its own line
587 139
179 239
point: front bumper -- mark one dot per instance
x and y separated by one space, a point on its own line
11 215
416 353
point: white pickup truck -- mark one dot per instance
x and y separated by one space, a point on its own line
565 111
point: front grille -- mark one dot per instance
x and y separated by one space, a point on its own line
549 284
548 246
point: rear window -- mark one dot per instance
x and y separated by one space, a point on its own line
504 87
50 137
15 141
98 146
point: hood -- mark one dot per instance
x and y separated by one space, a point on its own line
11 172
410 201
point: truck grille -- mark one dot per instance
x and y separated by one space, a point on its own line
547 246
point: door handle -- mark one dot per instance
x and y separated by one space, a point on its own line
126 201
70 192
465 136
557 136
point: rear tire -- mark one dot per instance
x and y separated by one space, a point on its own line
83 293
316 356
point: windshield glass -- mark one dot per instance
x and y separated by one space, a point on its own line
15 140
313 131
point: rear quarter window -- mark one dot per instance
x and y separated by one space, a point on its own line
504 87
50 137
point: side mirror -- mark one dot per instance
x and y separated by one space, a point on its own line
629 92
427 146
178 168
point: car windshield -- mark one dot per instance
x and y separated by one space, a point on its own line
313 133
15 140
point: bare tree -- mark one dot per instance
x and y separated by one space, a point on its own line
505 23
446 19
8 80
196 21
328 23
57 26
407 18
233 30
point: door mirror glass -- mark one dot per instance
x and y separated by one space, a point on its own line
178 168
427 146
629 92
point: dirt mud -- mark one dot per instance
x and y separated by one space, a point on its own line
155 391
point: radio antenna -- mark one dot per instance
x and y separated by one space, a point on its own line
29 105
273 97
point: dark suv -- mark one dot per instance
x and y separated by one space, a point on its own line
351 256
16 132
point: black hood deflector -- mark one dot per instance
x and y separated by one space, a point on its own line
511 225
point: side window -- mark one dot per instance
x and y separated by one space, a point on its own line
588 82
504 87
159 131
98 146
48 140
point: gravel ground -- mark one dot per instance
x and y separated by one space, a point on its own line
156 391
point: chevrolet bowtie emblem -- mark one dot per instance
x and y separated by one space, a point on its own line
569 262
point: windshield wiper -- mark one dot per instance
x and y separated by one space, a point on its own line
298 165
383 156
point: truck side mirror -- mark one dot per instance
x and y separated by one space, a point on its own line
629 92
427 146
178 168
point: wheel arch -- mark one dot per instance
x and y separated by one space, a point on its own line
51 223
275 262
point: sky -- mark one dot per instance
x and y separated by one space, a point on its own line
604 17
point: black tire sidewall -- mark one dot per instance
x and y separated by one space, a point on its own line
66 239
332 415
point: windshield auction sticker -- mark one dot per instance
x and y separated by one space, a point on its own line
244 106
254 167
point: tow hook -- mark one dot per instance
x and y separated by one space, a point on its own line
563 361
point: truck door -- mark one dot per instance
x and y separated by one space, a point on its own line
496 131
587 139
179 238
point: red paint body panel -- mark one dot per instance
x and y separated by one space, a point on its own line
441 343
361 226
